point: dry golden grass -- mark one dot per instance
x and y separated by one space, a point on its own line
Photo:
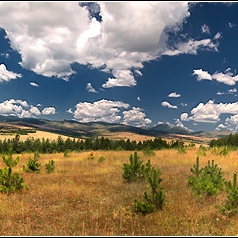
137 137
38 134
86 198
128 135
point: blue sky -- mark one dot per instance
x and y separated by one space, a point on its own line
134 63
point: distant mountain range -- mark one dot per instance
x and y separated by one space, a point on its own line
92 129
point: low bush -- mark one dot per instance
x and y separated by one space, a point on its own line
148 151
136 170
32 165
50 166
231 206
207 180
155 199
101 159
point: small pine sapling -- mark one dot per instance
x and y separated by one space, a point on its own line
154 200
147 169
134 170
195 170
202 151
182 150
157 196
143 207
91 156
10 182
67 153
101 159
224 151
50 166
231 206
32 165
148 151
215 175
36 154
208 180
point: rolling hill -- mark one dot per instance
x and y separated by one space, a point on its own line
72 128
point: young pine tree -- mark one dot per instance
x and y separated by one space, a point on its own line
155 199
9 181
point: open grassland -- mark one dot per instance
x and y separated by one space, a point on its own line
8 134
37 135
86 198
127 135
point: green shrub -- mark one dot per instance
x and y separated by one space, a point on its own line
146 169
202 151
192 144
231 206
143 207
67 153
37 154
182 150
206 181
222 151
91 156
50 167
10 182
134 170
119 148
195 170
155 199
32 165
148 151
101 159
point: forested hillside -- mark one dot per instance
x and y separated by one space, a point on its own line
230 140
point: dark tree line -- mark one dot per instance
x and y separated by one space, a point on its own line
59 145
230 140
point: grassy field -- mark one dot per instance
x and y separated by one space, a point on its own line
111 136
86 198
37 134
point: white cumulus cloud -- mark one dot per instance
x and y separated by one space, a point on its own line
167 104
103 110
184 116
231 124
48 111
205 29
227 78
135 117
34 111
221 127
6 75
34 84
50 36
210 112
180 124
90 88
174 95
18 108
201 74
230 91
191 47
